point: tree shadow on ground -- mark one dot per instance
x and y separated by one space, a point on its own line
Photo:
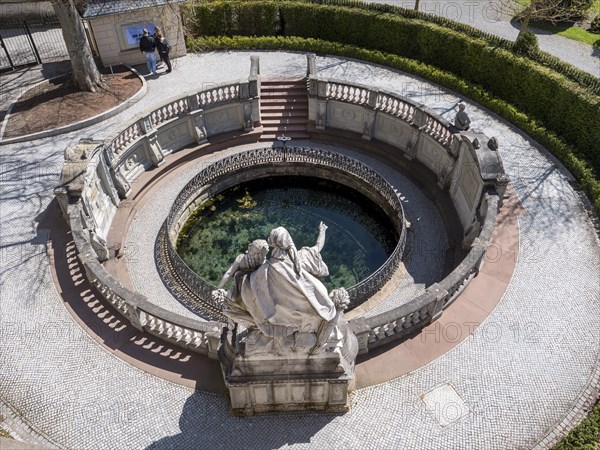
205 423
26 182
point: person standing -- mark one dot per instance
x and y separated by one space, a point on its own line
147 46
158 31
163 50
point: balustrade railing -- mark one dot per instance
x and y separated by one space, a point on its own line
199 336
206 98
395 106
271 157
219 95
346 92
386 102
126 137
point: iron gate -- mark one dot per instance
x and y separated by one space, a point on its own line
25 43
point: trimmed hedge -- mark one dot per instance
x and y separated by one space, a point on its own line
580 169
560 104
552 62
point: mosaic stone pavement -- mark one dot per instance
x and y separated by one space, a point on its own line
531 364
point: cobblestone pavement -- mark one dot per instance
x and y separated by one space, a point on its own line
531 364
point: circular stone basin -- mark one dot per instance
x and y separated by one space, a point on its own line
360 236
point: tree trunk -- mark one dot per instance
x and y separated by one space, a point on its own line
525 22
417 5
85 73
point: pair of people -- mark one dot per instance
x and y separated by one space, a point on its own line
148 44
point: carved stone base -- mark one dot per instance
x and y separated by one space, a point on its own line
265 382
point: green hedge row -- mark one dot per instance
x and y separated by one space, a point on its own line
552 62
560 104
580 169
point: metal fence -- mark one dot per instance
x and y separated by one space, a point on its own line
24 43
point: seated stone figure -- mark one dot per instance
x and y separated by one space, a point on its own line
243 264
282 303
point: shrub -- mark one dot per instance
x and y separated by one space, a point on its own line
595 25
586 435
555 11
526 43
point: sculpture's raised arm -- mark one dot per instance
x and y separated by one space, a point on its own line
321 239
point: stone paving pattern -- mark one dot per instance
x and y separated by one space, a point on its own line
533 362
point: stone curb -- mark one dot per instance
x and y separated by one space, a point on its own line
25 437
77 125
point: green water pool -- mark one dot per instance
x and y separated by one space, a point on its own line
359 239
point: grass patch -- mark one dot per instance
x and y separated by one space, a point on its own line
584 436
4 434
571 32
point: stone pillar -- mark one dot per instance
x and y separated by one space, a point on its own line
121 184
370 114
321 119
361 330
311 65
199 127
151 144
248 117
254 78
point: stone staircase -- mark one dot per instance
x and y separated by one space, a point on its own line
283 108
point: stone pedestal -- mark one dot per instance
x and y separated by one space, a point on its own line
295 381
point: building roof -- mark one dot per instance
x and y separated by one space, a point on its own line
97 8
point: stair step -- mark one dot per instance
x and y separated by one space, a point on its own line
295 90
284 86
295 106
284 114
284 121
282 80
283 101
293 94
273 137
281 128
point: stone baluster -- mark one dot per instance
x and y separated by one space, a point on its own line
151 144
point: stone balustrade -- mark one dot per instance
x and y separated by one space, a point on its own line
470 172
409 318
195 335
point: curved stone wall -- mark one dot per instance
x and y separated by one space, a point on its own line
470 172
265 162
